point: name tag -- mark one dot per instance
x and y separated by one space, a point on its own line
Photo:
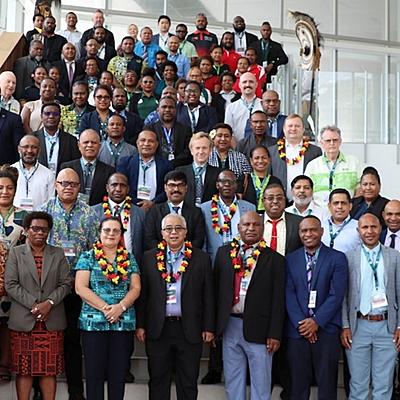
312 300
379 300
27 204
171 157
244 285
265 64
143 192
69 248
53 167
171 293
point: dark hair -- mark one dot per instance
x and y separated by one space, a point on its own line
179 81
175 176
251 48
371 171
50 16
164 17
119 116
222 125
170 63
260 146
104 220
216 46
149 72
266 23
33 42
194 83
243 58
311 217
104 87
98 27
107 72
51 104
181 26
167 98
258 112
81 83
128 37
164 53
37 15
7 171
92 58
71 13
339 191
302 177
226 33
208 58
274 185
228 73
38 67
37 215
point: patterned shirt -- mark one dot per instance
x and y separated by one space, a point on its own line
75 231
92 319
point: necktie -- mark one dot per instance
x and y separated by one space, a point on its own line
392 241
88 176
193 120
145 55
274 235
309 270
198 185
176 210
70 73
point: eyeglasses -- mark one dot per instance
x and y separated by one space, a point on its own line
107 231
179 185
51 113
65 184
229 182
177 229
192 91
276 199
38 229
101 98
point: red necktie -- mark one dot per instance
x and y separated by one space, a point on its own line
274 234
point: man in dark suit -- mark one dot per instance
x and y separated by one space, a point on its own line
193 114
316 281
296 153
175 186
173 137
98 20
53 43
175 311
270 54
272 107
250 283
105 52
242 39
11 132
93 174
56 146
145 171
201 176
391 235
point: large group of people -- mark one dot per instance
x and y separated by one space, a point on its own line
154 191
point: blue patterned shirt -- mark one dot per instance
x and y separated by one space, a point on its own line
92 319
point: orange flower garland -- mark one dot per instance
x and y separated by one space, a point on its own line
115 275
125 212
226 225
170 277
236 259
293 161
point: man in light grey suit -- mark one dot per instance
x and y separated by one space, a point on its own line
370 315
296 153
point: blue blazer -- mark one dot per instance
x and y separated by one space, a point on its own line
280 122
213 241
91 120
329 279
129 166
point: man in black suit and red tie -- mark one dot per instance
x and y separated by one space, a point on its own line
250 291
175 311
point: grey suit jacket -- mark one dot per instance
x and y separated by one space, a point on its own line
351 303
25 289
279 168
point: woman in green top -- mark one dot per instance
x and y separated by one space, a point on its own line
107 280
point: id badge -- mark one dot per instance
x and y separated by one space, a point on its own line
265 64
69 248
379 300
198 202
244 284
171 294
26 204
171 156
143 192
312 300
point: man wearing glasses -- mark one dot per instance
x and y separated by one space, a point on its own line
75 230
175 311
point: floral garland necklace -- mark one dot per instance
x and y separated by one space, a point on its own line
171 277
237 261
226 225
113 274
292 161
125 212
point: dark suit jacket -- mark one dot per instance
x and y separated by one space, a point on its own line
376 207
264 309
64 84
91 120
197 298
181 138
210 180
156 37
194 221
279 167
207 117
82 60
280 121
11 132
89 34
134 125
129 166
100 178
329 279
250 38
68 148
218 102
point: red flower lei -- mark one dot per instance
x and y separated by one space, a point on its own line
115 275
281 150
170 277
226 225
236 259
125 212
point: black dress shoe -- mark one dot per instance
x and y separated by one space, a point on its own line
37 395
211 378
76 396
129 378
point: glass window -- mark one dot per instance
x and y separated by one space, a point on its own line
87 3
394 100
151 7
394 20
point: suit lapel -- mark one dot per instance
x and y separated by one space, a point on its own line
289 230
2 119
386 264
61 148
48 258
29 263
98 172
318 265
43 149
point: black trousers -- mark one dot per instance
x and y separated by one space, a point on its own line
72 345
280 370
173 351
215 360
321 359
107 357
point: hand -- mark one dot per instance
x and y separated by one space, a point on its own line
145 204
112 313
307 327
346 338
312 338
396 339
140 335
207 337
268 68
273 345
41 310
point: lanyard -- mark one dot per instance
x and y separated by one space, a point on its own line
217 69
145 167
331 171
168 139
251 106
373 265
116 150
53 141
28 176
334 235
5 219
259 187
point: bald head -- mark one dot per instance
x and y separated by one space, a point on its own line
369 229
250 227
248 85
391 215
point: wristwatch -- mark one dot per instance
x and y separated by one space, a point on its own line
51 302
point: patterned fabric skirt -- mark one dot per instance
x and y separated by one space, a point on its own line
37 353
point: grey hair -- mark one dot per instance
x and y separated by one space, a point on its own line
181 219
332 128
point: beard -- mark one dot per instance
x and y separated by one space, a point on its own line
302 202
239 30
119 107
